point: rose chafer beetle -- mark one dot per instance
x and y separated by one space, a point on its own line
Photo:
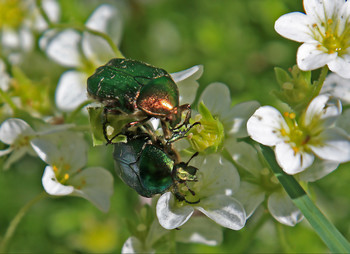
139 90
151 169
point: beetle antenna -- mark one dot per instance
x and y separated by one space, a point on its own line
194 155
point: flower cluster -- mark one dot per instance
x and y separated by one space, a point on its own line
199 156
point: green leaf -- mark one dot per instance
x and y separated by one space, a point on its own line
282 76
334 240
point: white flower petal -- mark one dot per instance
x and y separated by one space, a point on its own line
290 161
310 57
283 210
322 10
64 48
52 186
6 151
318 170
250 196
200 230
341 66
4 77
265 126
217 176
323 107
62 149
12 128
9 38
186 81
52 10
134 245
71 90
224 210
338 87
343 121
216 98
335 146
237 117
94 184
169 215
106 19
294 26
244 155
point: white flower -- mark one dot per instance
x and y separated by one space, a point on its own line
297 142
259 184
198 230
186 81
4 77
325 33
66 154
83 52
18 18
338 87
18 134
217 181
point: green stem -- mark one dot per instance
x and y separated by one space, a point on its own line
334 240
320 81
72 115
248 236
42 12
16 220
8 100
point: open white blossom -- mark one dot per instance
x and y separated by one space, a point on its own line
217 181
296 142
18 18
338 87
325 33
259 184
66 154
198 230
18 134
82 51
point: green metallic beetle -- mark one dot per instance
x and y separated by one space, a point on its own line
150 168
135 88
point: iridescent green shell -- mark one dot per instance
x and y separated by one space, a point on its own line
128 86
144 167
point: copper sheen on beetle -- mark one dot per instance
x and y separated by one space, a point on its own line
138 89
150 169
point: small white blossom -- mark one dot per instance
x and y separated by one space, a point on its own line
83 52
18 134
18 18
4 77
338 87
186 81
198 230
66 154
297 142
325 33
217 181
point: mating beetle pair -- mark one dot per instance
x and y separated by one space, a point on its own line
150 168
133 88
146 162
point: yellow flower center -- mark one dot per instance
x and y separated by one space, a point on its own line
209 135
12 13
298 136
331 38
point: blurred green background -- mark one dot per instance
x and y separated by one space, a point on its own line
236 43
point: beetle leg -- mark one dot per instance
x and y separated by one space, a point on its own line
178 134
